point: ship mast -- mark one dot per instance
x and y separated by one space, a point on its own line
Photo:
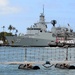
43 9
42 17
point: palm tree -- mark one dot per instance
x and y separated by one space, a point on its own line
16 32
3 28
13 29
3 34
10 28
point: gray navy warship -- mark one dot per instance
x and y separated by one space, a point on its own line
37 35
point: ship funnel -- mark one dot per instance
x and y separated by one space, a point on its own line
53 22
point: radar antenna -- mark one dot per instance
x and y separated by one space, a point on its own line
53 22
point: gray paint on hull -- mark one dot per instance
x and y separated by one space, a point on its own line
20 41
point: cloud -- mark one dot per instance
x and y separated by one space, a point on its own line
6 8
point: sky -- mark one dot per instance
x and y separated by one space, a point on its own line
24 13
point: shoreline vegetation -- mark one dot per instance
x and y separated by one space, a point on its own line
3 34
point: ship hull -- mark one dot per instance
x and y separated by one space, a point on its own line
28 42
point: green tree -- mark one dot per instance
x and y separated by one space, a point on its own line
10 28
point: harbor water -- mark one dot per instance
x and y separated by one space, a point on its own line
18 54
